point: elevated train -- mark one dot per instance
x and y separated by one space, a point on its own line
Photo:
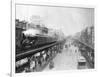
35 52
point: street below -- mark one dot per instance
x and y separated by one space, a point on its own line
67 60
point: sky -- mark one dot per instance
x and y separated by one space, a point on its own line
66 19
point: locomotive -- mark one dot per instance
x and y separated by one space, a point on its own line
32 42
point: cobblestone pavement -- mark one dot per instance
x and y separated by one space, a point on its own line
67 60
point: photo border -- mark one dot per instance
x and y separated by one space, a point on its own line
13 16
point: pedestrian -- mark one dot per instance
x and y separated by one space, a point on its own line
51 65
33 63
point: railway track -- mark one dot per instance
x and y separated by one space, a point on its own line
33 51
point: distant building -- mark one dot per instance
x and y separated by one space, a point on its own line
20 24
87 36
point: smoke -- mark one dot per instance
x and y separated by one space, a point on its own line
31 32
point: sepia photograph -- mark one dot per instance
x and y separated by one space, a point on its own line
53 38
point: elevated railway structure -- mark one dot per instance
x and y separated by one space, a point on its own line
33 53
